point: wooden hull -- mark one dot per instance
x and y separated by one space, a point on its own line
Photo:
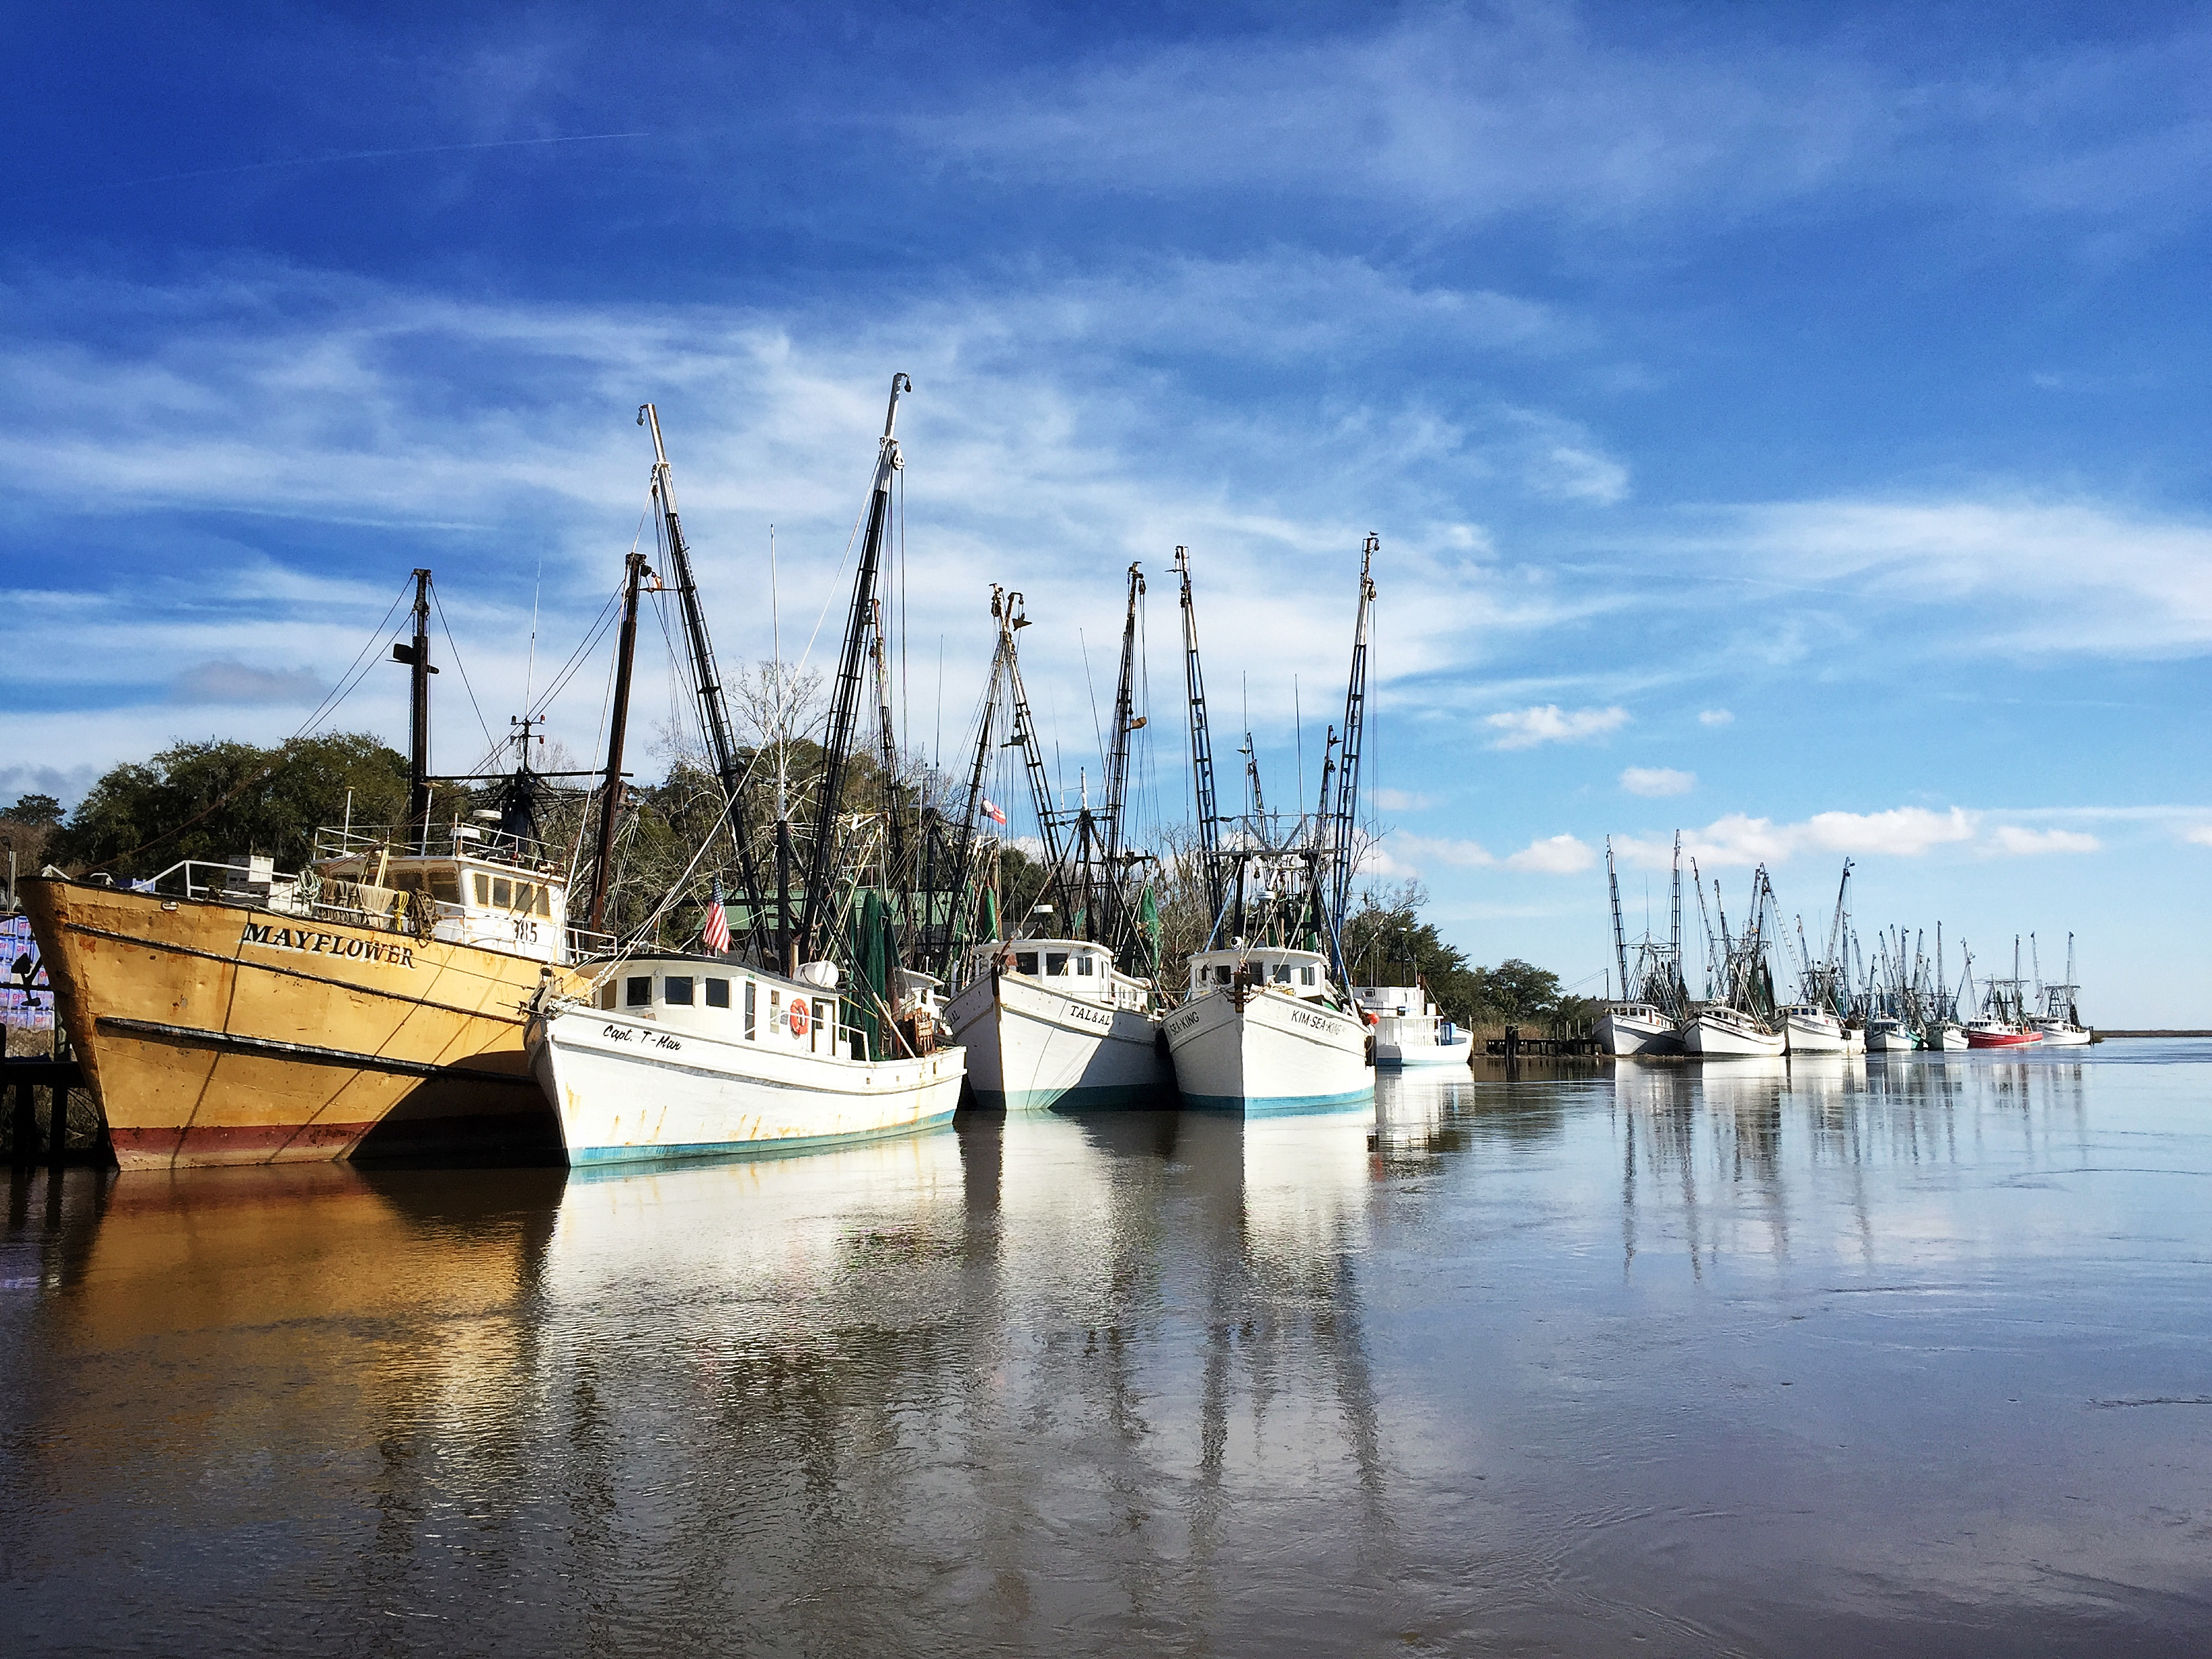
217 1034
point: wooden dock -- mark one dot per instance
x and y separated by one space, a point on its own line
31 1142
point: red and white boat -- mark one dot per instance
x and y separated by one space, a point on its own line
1998 1034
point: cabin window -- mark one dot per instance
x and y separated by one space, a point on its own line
545 902
822 1018
1223 973
483 888
636 992
502 893
1083 965
524 896
1282 973
752 1027
718 993
446 886
676 990
607 995
405 881
775 1010
1026 963
1306 975
1055 962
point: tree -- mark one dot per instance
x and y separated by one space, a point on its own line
219 801
32 811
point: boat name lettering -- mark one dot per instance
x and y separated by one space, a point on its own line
308 939
646 1039
1306 1017
1090 1016
1183 1023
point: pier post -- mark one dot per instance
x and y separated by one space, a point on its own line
26 1127
58 1125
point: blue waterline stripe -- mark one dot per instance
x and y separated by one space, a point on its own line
602 1157
1277 1105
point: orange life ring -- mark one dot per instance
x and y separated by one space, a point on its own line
798 1018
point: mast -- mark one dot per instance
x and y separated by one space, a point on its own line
714 711
1343 851
1680 988
1125 721
416 653
1620 939
845 698
1001 613
602 864
1202 750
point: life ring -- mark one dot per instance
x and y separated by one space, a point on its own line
798 1017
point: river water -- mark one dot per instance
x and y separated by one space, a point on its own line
1912 1357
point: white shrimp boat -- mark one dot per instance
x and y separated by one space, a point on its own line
1886 1034
2064 1034
1809 1031
1410 1030
1944 1036
1262 1032
1052 1022
1637 1028
1724 1033
687 1056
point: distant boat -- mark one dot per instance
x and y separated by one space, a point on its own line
1886 1034
2000 1034
1722 1033
2061 1020
1410 1030
1810 1030
1637 1028
1945 1036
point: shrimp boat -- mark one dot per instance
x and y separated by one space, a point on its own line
709 1056
1410 1031
1886 1034
1649 1018
1809 1031
1266 1025
373 1004
2060 1022
1063 1023
1720 1032
2004 1023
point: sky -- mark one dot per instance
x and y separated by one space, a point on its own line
1786 424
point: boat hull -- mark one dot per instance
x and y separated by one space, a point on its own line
218 1034
1627 1034
2058 1035
2002 1039
1258 1052
1889 1043
1946 1039
1030 1049
1802 1036
626 1090
1413 1054
1712 1039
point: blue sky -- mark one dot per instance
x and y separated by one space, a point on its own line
1786 423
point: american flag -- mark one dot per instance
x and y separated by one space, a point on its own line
715 935
993 812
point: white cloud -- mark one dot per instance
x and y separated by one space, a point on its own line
1412 852
2201 835
1524 728
1556 855
2041 575
1739 839
2012 839
1657 780
1715 717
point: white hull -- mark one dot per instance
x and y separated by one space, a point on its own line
1716 1039
1814 1034
1259 1051
1636 1034
1947 1038
2059 1034
1412 1055
1899 1041
1029 1048
626 1088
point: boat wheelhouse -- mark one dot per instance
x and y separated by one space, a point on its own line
1637 1028
1411 1030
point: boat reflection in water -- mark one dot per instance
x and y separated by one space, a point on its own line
1532 1361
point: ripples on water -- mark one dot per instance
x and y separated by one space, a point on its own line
1903 1357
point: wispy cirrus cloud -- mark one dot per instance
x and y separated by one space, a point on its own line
1525 728
1552 856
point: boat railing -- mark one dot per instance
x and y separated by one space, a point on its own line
204 878
480 843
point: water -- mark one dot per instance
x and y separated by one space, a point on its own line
1907 1357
